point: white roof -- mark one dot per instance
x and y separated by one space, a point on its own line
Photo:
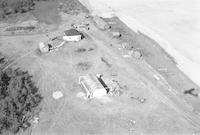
91 83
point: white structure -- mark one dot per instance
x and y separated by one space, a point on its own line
93 88
43 48
72 35
57 94
116 34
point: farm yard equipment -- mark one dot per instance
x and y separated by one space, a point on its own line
136 54
106 62
133 53
81 26
141 100
127 45
116 88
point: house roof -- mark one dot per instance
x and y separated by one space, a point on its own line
72 32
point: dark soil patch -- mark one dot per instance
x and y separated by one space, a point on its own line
20 28
90 49
81 50
83 66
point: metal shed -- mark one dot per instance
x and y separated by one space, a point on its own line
93 88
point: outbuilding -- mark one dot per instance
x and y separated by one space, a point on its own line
116 34
43 48
101 24
72 35
92 86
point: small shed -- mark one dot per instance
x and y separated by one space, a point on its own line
72 35
127 45
43 48
101 23
92 86
116 34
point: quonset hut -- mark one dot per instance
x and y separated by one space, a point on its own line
92 86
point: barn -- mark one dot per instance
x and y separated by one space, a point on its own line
72 35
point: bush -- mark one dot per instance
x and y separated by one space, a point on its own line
19 100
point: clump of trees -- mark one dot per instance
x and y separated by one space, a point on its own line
72 7
19 101
8 7
16 6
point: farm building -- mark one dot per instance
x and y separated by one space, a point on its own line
92 86
101 23
43 48
72 35
116 34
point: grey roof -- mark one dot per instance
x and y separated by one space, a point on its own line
72 32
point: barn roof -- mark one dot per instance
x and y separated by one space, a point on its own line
72 32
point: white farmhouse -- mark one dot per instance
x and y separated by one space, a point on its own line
72 35
93 88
